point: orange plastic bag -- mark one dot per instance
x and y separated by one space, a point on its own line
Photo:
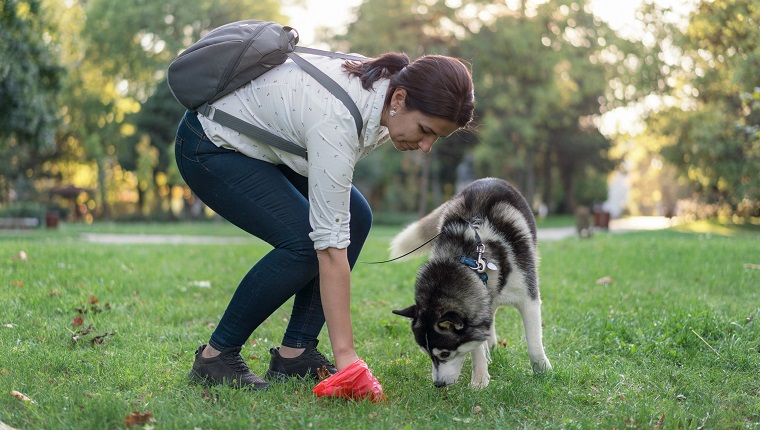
354 382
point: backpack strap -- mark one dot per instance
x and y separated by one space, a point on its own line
250 130
273 140
329 83
315 51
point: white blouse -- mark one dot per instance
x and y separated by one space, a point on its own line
287 101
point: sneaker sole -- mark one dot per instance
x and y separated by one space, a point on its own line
195 378
273 376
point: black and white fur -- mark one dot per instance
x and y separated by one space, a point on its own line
455 303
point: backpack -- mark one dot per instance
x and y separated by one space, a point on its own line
232 55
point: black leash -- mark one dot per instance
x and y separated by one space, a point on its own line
402 256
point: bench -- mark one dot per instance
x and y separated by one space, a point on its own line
19 223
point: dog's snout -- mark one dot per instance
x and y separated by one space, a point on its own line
439 384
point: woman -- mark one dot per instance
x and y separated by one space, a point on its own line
309 211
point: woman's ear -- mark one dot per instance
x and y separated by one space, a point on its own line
398 98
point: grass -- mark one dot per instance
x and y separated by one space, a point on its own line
670 340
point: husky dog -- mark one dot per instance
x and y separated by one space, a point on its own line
485 256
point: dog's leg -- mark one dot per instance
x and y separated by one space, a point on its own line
531 316
491 340
480 376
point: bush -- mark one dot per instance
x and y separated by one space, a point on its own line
23 210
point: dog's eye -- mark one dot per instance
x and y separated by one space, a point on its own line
444 354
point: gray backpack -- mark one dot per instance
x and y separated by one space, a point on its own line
232 55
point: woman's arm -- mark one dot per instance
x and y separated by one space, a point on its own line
335 289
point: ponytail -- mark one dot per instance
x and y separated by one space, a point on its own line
381 67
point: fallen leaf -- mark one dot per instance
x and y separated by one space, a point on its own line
323 373
87 330
92 300
21 396
138 419
660 421
4 372
752 266
605 280
17 283
22 256
77 321
9 325
55 293
99 339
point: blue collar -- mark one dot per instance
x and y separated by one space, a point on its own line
472 264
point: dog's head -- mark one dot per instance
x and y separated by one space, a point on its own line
451 316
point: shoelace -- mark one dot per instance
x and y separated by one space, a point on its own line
236 362
317 356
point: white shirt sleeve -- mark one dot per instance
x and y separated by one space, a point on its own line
332 156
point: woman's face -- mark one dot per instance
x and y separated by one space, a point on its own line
412 130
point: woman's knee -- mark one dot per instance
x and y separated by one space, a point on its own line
361 215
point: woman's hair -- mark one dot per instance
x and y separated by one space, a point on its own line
435 85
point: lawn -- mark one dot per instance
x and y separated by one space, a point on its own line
644 330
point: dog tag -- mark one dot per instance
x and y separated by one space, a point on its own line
491 266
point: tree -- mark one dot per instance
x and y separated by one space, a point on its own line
30 79
124 50
416 28
709 128
541 70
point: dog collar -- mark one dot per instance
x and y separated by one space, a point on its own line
472 264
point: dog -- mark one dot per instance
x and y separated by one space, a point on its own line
485 256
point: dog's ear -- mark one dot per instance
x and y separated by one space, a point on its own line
451 320
410 312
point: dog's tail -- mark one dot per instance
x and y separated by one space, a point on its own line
416 234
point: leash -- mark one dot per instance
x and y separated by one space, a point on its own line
402 256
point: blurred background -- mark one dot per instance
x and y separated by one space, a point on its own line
622 107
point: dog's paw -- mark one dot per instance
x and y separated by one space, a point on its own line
480 382
541 366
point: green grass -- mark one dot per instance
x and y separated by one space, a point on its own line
672 341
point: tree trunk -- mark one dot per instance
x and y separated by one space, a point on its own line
530 175
568 184
547 181
102 194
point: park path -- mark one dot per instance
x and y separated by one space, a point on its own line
558 233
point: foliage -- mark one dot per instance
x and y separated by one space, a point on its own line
711 134
23 209
87 103
30 78
119 70
644 330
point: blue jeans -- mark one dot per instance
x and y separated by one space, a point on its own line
271 203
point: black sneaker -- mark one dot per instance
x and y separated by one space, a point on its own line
226 368
311 363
